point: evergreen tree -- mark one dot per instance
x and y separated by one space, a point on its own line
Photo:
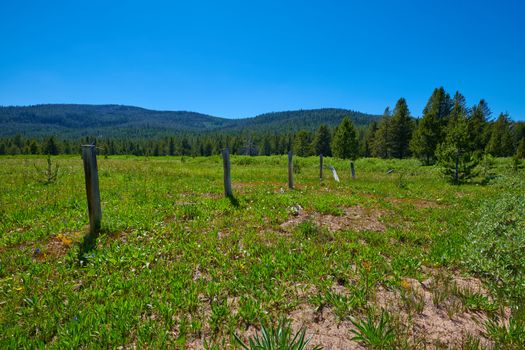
518 132
455 154
207 149
520 151
301 145
370 140
171 147
401 129
156 150
322 141
382 146
478 126
430 130
266 148
344 144
18 141
500 143
185 147
51 146
33 147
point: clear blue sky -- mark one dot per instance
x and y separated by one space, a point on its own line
242 58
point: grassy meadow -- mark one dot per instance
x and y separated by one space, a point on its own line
177 265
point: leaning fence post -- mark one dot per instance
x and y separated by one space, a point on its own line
352 169
92 190
334 173
290 170
227 179
321 166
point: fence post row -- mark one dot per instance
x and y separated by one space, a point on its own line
89 157
227 178
290 170
352 169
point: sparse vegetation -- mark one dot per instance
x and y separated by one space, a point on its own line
49 174
376 332
278 337
177 265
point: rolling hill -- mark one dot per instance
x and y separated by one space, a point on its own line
75 120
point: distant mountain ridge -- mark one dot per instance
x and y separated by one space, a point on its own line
79 120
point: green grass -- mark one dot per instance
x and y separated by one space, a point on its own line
175 261
375 332
279 337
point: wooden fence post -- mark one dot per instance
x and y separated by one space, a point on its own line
89 157
290 170
334 173
227 178
352 169
321 166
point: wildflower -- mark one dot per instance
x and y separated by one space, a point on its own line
405 284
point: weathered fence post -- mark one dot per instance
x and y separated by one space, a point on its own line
321 166
227 179
89 157
290 170
352 169
334 173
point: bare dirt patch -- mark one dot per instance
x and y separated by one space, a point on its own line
354 218
440 319
416 202
430 327
324 328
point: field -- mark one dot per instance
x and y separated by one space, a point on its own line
177 265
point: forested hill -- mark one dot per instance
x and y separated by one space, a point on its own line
72 121
109 120
308 119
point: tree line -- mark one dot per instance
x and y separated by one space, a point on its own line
448 131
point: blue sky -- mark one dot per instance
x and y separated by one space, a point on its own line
242 58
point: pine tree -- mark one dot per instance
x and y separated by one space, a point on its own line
301 144
266 148
520 151
455 154
207 149
156 150
185 147
18 141
370 140
401 129
33 147
344 144
171 147
51 146
500 143
478 126
322 141
382 146
430 130
518 132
